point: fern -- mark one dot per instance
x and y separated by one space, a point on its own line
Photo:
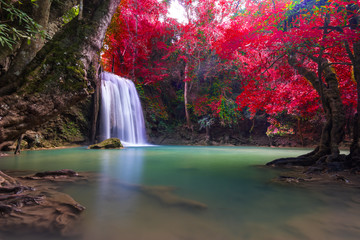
15 25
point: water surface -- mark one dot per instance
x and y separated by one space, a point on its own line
243 203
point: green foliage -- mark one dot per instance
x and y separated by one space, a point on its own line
180 95
279 127
71 14
206 121
71 130
15 24
228 113
155 108
140 90
165 127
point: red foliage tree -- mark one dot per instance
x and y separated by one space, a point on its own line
144 44
290 49
135 41
194 47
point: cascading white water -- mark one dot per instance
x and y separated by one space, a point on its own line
121 114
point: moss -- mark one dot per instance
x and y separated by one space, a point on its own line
107 144
63 71
59 65
23 145
70 131
70 127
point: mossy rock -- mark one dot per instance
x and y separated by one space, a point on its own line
107 144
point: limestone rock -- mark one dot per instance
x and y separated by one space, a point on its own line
107 144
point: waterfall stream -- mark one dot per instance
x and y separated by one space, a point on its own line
121 114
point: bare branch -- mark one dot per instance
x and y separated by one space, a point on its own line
283 55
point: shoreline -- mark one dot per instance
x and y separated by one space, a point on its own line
343 148
10 153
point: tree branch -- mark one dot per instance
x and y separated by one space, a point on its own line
283 55
312 57
338 63
337 28
348 50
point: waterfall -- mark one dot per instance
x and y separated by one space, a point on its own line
121 114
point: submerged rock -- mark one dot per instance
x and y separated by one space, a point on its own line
107 144
165 195
64 175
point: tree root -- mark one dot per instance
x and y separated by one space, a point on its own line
15 190
26 207
318 163
6 180
299 161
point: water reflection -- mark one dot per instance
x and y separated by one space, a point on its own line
125 165
130 166
114 204
243 202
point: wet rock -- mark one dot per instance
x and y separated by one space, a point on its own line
341 178
290 179
33 139
64 175
63 172
111 143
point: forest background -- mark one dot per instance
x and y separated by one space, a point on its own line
227 67
229 72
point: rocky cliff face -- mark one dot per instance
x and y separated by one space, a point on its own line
63 73
72 127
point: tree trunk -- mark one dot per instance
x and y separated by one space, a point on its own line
186 86
337 114
96 108
136 43
300 131
333 129
81 8
355 58
61 74
18 145
48 14
27 50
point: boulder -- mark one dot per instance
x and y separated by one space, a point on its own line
110 143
